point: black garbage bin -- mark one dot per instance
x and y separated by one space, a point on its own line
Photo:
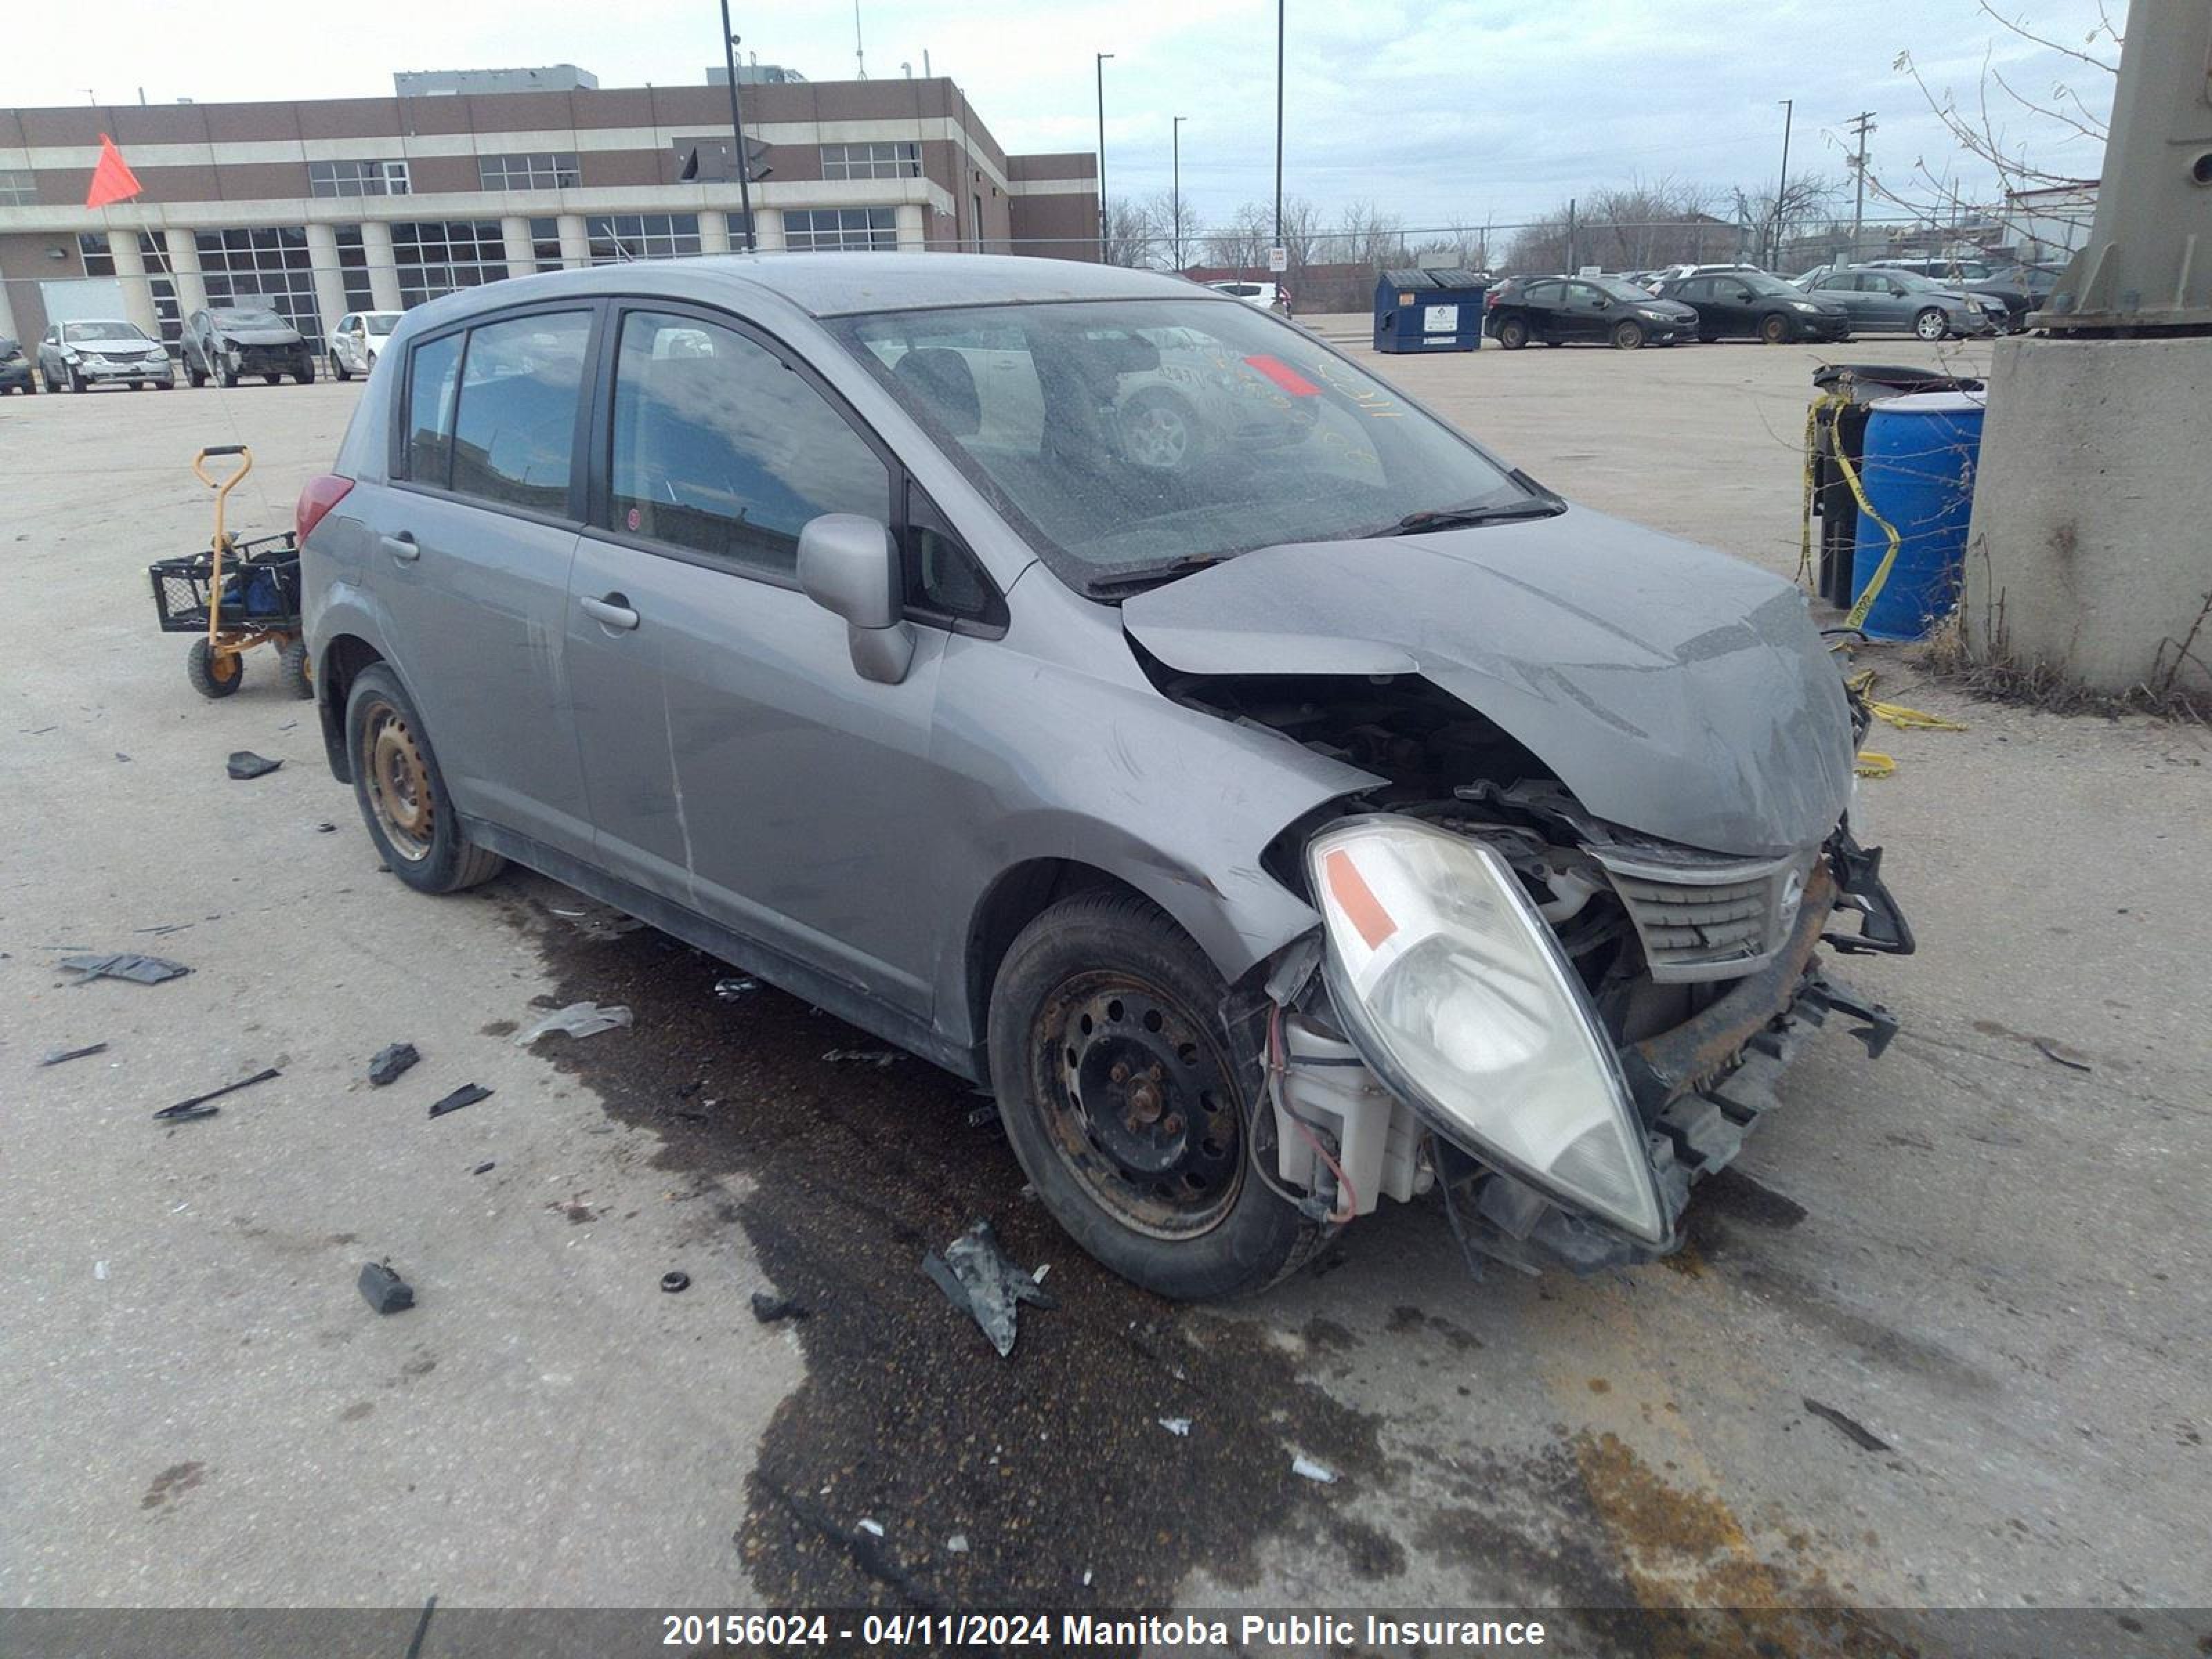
1842 428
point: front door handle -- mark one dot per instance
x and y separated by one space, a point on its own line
402 547
613 611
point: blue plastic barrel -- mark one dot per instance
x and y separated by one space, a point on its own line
1918 473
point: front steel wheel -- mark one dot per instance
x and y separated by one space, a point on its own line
403 797
1129 1103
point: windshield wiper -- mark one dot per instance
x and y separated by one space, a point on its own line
1148 575
1454 518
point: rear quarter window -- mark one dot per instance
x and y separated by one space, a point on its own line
433 377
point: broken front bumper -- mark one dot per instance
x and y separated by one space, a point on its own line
1698 1088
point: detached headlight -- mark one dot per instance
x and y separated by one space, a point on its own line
1455 990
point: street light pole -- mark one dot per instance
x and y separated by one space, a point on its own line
1176 194
1781 190
1279 122
738 128
1102 254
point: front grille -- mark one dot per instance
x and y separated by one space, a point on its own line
1701 916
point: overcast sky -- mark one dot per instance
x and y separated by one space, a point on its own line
1435 109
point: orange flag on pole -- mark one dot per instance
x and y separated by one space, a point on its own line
112 177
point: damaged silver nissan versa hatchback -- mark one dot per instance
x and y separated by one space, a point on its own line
1109 692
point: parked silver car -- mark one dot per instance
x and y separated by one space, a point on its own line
1903 302
1342 816
81 354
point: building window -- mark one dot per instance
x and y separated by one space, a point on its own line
545 244
353 269
540 170
619 238
439 256
267 265
18 188
859 230
357 178
872 161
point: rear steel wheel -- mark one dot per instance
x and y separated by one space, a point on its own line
399 783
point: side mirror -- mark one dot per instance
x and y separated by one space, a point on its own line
849 565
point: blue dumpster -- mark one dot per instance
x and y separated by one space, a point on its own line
1918 474
1431 310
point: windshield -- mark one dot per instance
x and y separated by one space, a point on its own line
1121 435
251 317
1914 281
1614 289
1759 283
381 322
102 332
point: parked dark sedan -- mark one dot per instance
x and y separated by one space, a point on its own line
228 341
1751 305
15 368
1556 309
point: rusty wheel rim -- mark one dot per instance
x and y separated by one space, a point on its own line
398 776
1139 1104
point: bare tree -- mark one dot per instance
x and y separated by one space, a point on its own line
1175 229
1365 235
1778 218
1241 244
1459 245
1639 226
1129 234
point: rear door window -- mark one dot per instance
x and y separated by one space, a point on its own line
433 375
515 434
719 448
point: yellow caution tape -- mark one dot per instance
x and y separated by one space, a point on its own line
1913 719
1865 601
1869 764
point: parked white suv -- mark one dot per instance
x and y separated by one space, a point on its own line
1268 296
358 339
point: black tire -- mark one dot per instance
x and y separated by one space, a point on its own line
1513 333
1931 323
1159 1187
271 379
1627 335
401 794
197 376
205 668
230 377
338 370
1774 329
1160 432
295 672
76 380
303 372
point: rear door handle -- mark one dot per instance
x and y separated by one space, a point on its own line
402 547
614 610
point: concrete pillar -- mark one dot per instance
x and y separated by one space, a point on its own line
575 242
130 271
912 236
2087 555
768 229
521 255
330 281
714 232
184 271
7 319
383 269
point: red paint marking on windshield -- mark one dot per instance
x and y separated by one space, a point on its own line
1284 376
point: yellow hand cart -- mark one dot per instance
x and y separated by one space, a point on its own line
236 595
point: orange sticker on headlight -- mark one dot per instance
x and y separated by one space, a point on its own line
1357 900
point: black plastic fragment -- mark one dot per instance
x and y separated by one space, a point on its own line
768 1308
326 829
56 1056
125 964
485 1168
1852 1430
390 1061
385 1290
244 763
675 1280
467 1094
185 1110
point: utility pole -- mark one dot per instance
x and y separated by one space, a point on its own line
1861 123
738 128
1176 193
1279 122
1571 236
859 51
1103 253
1781 190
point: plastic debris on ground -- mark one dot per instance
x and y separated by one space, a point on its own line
578 1019
957 1544
185 1110
244 763
467 1094
385 1290
99 1270
391 1060
1306 1470
1177 1426
485 1168
56 1056
675 1281
768 1308
873 1529
1850 1427
975 1276
2063 1054
730 989
862 1056
125 964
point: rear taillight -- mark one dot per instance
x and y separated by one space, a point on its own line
323 493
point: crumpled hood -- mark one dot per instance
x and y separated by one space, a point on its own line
1674 689
263 336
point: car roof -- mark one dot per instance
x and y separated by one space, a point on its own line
840 284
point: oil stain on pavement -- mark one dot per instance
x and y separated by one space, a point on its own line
1043 1479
